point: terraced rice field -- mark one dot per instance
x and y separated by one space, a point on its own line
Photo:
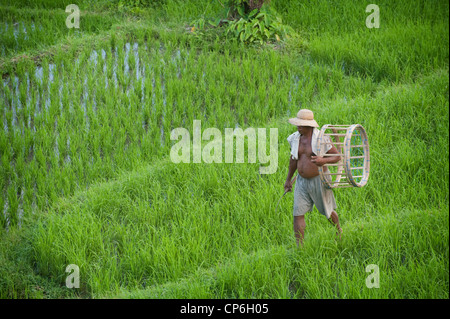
86 176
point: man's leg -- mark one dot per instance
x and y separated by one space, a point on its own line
324 200
299 228
302 204
334 219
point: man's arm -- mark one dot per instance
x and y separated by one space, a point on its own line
320 161
291 171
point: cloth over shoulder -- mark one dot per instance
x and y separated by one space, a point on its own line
294 139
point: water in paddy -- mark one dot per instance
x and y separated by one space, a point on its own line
137 76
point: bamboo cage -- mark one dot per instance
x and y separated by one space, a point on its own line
353 147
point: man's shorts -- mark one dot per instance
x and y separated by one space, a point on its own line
309 192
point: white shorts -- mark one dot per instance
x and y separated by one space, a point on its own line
309 192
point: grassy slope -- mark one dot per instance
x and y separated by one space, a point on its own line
143 224
238 247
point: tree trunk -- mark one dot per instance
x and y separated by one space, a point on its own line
256 4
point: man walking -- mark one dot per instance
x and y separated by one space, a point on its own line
309 189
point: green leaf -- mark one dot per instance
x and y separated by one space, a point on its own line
262 26
253 13
261 14
241 11
239 27
248 31
215 23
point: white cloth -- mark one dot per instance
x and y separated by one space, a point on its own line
294 139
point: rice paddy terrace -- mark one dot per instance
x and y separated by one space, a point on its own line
86 177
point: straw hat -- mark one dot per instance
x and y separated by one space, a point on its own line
304 118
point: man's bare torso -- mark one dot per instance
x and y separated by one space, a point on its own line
305 167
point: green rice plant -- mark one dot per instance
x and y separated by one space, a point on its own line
131 61
13 205
358 49
3 216
25 27
226 286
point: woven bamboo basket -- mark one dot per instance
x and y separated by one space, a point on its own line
353 147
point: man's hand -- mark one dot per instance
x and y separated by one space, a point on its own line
288 186
318 160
